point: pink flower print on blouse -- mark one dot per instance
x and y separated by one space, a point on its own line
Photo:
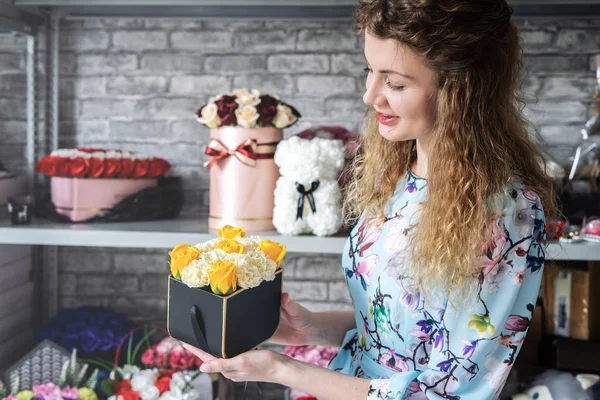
495 250
394 361
363 271
368 233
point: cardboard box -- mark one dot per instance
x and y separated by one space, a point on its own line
572 299
81 199
224 326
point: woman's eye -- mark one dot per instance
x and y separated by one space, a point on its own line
367 70
393 87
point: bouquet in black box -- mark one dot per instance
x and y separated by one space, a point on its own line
225 294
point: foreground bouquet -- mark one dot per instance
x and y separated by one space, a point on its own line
154 384
73 385
169 354
247 109
101 163
229 262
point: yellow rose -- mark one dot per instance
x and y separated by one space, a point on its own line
181 256
284 117
223 280
87 394
231 232
273 250
25 395
230 246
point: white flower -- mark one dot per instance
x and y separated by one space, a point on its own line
196 274
246 98
168 345
247 116
141 380
209 116
126 372
285 116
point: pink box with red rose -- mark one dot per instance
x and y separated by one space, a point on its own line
81 199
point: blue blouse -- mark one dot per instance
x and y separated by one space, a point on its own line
413 349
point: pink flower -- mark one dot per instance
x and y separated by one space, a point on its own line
393 361
148 357
420 335
49 391
70 393
368 233
316 355
495 250
10 397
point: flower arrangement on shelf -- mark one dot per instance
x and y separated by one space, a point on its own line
101 163
170 355
73 385
248 109
158 382
229 262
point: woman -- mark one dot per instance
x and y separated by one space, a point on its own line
449 196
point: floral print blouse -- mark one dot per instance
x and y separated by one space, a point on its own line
411 349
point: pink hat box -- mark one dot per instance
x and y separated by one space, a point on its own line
81 199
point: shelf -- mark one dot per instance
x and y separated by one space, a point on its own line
168 233
272 9
164 234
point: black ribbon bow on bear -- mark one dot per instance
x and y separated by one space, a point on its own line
306 193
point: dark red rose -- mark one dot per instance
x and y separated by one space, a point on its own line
267 110
96 167
163 384
128 395
46 166
79 167
158 167
125 384
127 167
112 167
517 323
226 107
61 165
140 168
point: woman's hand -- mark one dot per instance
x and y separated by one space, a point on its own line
295 324
254 365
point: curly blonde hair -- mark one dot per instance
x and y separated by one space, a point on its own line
480 138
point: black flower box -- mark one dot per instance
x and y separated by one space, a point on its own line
224 326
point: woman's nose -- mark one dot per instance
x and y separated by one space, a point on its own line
373 95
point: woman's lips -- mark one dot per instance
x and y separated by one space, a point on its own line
387 119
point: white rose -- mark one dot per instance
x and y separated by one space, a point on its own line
247 116
246 98
209 116
284 117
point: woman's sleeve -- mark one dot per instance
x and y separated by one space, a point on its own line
472 350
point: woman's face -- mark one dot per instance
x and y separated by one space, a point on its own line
401 88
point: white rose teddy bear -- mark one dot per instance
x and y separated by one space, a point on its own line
307 194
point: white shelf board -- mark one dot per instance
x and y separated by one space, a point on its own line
168 233
163 234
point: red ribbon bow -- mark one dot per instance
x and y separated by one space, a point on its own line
245 152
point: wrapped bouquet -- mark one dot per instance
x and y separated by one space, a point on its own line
216 289
74 384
